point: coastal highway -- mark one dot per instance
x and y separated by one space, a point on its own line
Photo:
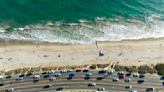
79 81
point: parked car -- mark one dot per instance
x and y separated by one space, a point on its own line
8 77
92 84
22 75
85 70
162 78
150 89
78 71
121 76
29 74
102 71
135 74
71 75
100 89
128 74
163 83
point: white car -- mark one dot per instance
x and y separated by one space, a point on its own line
19 78
10 90
101 89
52 78
128 86
88 74
36 76
115 79
128 80
135 74
133 91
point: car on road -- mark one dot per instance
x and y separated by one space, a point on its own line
22 75
48 86
71 75
60 89
110 72
10 90
46 76
1 84
87 78
128 86
133 91
91 84
69 78
35 80
140 81
150 89
2 77
163 83
63 71
115 79
100 89
128 80
100 78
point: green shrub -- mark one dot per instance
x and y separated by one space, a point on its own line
146 69
93 66
120 68
160 69
131 69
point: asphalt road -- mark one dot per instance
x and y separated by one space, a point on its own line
78 82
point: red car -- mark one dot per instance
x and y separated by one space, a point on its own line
121 76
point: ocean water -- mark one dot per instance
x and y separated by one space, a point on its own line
81 21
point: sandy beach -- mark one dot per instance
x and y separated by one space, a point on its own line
19 54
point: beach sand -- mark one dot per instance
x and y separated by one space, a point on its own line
21 54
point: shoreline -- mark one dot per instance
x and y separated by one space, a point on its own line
14 53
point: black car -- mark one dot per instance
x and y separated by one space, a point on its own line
46 76
140 81
85 70
8 77
78 70
22 75
141 76
35 80
29 74
162 78
87 78
128 74
69 78
71 75
163 83
59 89
47 86
99 78
102 71
1 84
150 89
